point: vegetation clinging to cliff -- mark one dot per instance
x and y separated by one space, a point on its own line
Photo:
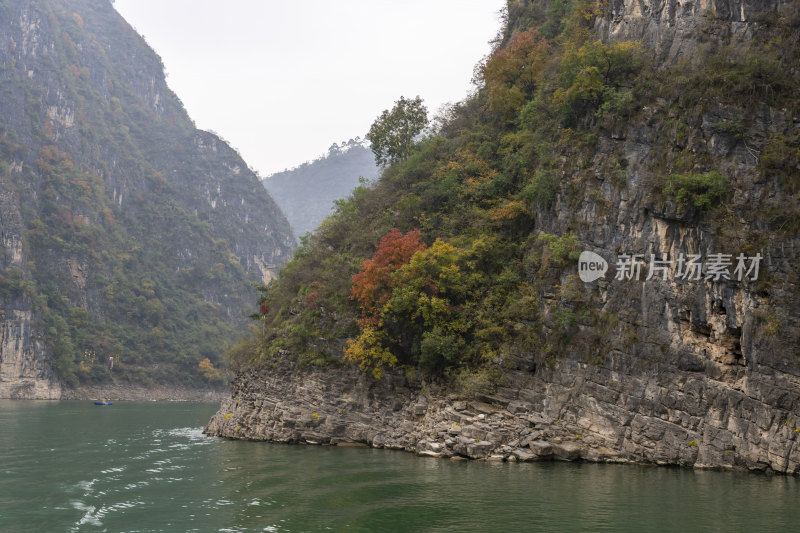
491 289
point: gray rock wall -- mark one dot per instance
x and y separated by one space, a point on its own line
575 411
674 29
24 371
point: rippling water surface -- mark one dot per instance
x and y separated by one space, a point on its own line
72 466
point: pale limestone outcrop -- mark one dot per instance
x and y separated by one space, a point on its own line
24 372
674 29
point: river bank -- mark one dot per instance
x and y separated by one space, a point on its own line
570 412
140 393
53 390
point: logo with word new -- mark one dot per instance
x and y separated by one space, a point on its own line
716 267
591 266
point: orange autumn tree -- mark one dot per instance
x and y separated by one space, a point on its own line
412 299
372 286
206 367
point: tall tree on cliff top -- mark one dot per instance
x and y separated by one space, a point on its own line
392 134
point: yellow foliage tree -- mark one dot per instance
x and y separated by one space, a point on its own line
512 72
206 368
368 351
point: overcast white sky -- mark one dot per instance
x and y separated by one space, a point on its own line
283 80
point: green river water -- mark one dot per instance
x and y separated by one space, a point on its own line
141 467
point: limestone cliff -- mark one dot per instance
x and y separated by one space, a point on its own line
631 367
674 29
125 232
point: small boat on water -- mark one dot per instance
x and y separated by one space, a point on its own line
103 402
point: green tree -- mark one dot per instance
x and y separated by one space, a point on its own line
701 190
391 136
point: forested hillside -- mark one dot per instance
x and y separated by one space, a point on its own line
477 232
661 136
126 232
307 193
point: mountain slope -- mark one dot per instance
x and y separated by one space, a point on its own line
307 193
126 232
654 134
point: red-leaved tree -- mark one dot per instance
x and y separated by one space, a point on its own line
372 287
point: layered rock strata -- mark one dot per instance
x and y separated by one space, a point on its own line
571 412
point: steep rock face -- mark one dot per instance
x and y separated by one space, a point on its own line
24 369
124 231
675 28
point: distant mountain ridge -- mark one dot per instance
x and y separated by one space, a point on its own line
307 193
124 230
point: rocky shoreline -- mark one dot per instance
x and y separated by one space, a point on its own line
140 393
564 414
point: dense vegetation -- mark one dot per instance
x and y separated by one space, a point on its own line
123 255
446 264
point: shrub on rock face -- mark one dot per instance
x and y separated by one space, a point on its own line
781 157
594 77
512 72
702 191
